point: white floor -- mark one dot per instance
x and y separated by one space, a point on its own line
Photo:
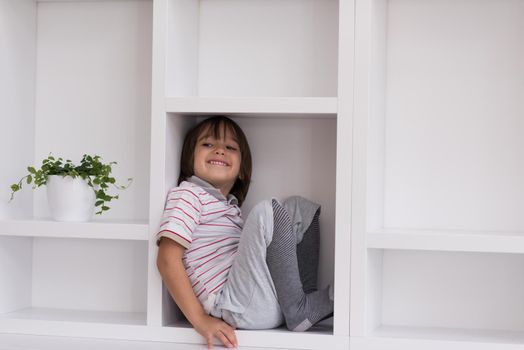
31 342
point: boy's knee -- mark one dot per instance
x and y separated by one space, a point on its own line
259 222
293 199
298 202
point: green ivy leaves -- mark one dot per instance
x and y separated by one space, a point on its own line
96 173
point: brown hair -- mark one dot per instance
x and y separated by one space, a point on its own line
218 126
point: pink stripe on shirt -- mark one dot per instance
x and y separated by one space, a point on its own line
181 220
208 245
176 234
185 201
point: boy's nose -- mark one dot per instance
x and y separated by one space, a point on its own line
219 151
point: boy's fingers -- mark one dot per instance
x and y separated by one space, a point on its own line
224 339
209 342
231 336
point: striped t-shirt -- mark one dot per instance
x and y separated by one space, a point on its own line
202 220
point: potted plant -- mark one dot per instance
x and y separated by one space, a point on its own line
73 191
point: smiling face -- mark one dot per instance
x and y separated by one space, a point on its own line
217 160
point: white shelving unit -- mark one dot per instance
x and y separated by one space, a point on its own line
77 80
279 82
126 79
402 118
437 226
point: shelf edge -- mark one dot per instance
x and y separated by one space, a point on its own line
447 241
88 230
248 338
261 105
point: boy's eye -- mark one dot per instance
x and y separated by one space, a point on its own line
207 144
231 148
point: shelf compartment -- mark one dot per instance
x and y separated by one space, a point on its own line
226 48
444 144
92 58
447 240
438 145
83 61
290 157
49 279
126 230
452 296
259 106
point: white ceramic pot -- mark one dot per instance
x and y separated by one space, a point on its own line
70 199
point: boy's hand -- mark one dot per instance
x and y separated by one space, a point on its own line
210 327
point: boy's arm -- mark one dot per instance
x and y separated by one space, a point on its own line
173 272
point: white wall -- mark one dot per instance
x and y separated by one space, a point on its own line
17 80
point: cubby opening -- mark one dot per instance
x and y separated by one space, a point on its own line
445 117
445 295
291 156
73 280
265 48
84 88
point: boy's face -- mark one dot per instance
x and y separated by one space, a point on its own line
217 161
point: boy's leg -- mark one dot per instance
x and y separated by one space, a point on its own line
248 299
304 215
307 254
300 310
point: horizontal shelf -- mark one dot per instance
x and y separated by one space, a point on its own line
450 334
18 341
181 333
58 315
447 240
299 106
127 230
321 334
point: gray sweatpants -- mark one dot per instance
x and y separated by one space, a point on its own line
248 299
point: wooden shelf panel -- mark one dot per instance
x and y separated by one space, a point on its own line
444 240
302 106
127 230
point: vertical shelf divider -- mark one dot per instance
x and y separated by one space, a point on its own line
344 161
359 168
158 157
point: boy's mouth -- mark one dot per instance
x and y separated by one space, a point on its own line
217 162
